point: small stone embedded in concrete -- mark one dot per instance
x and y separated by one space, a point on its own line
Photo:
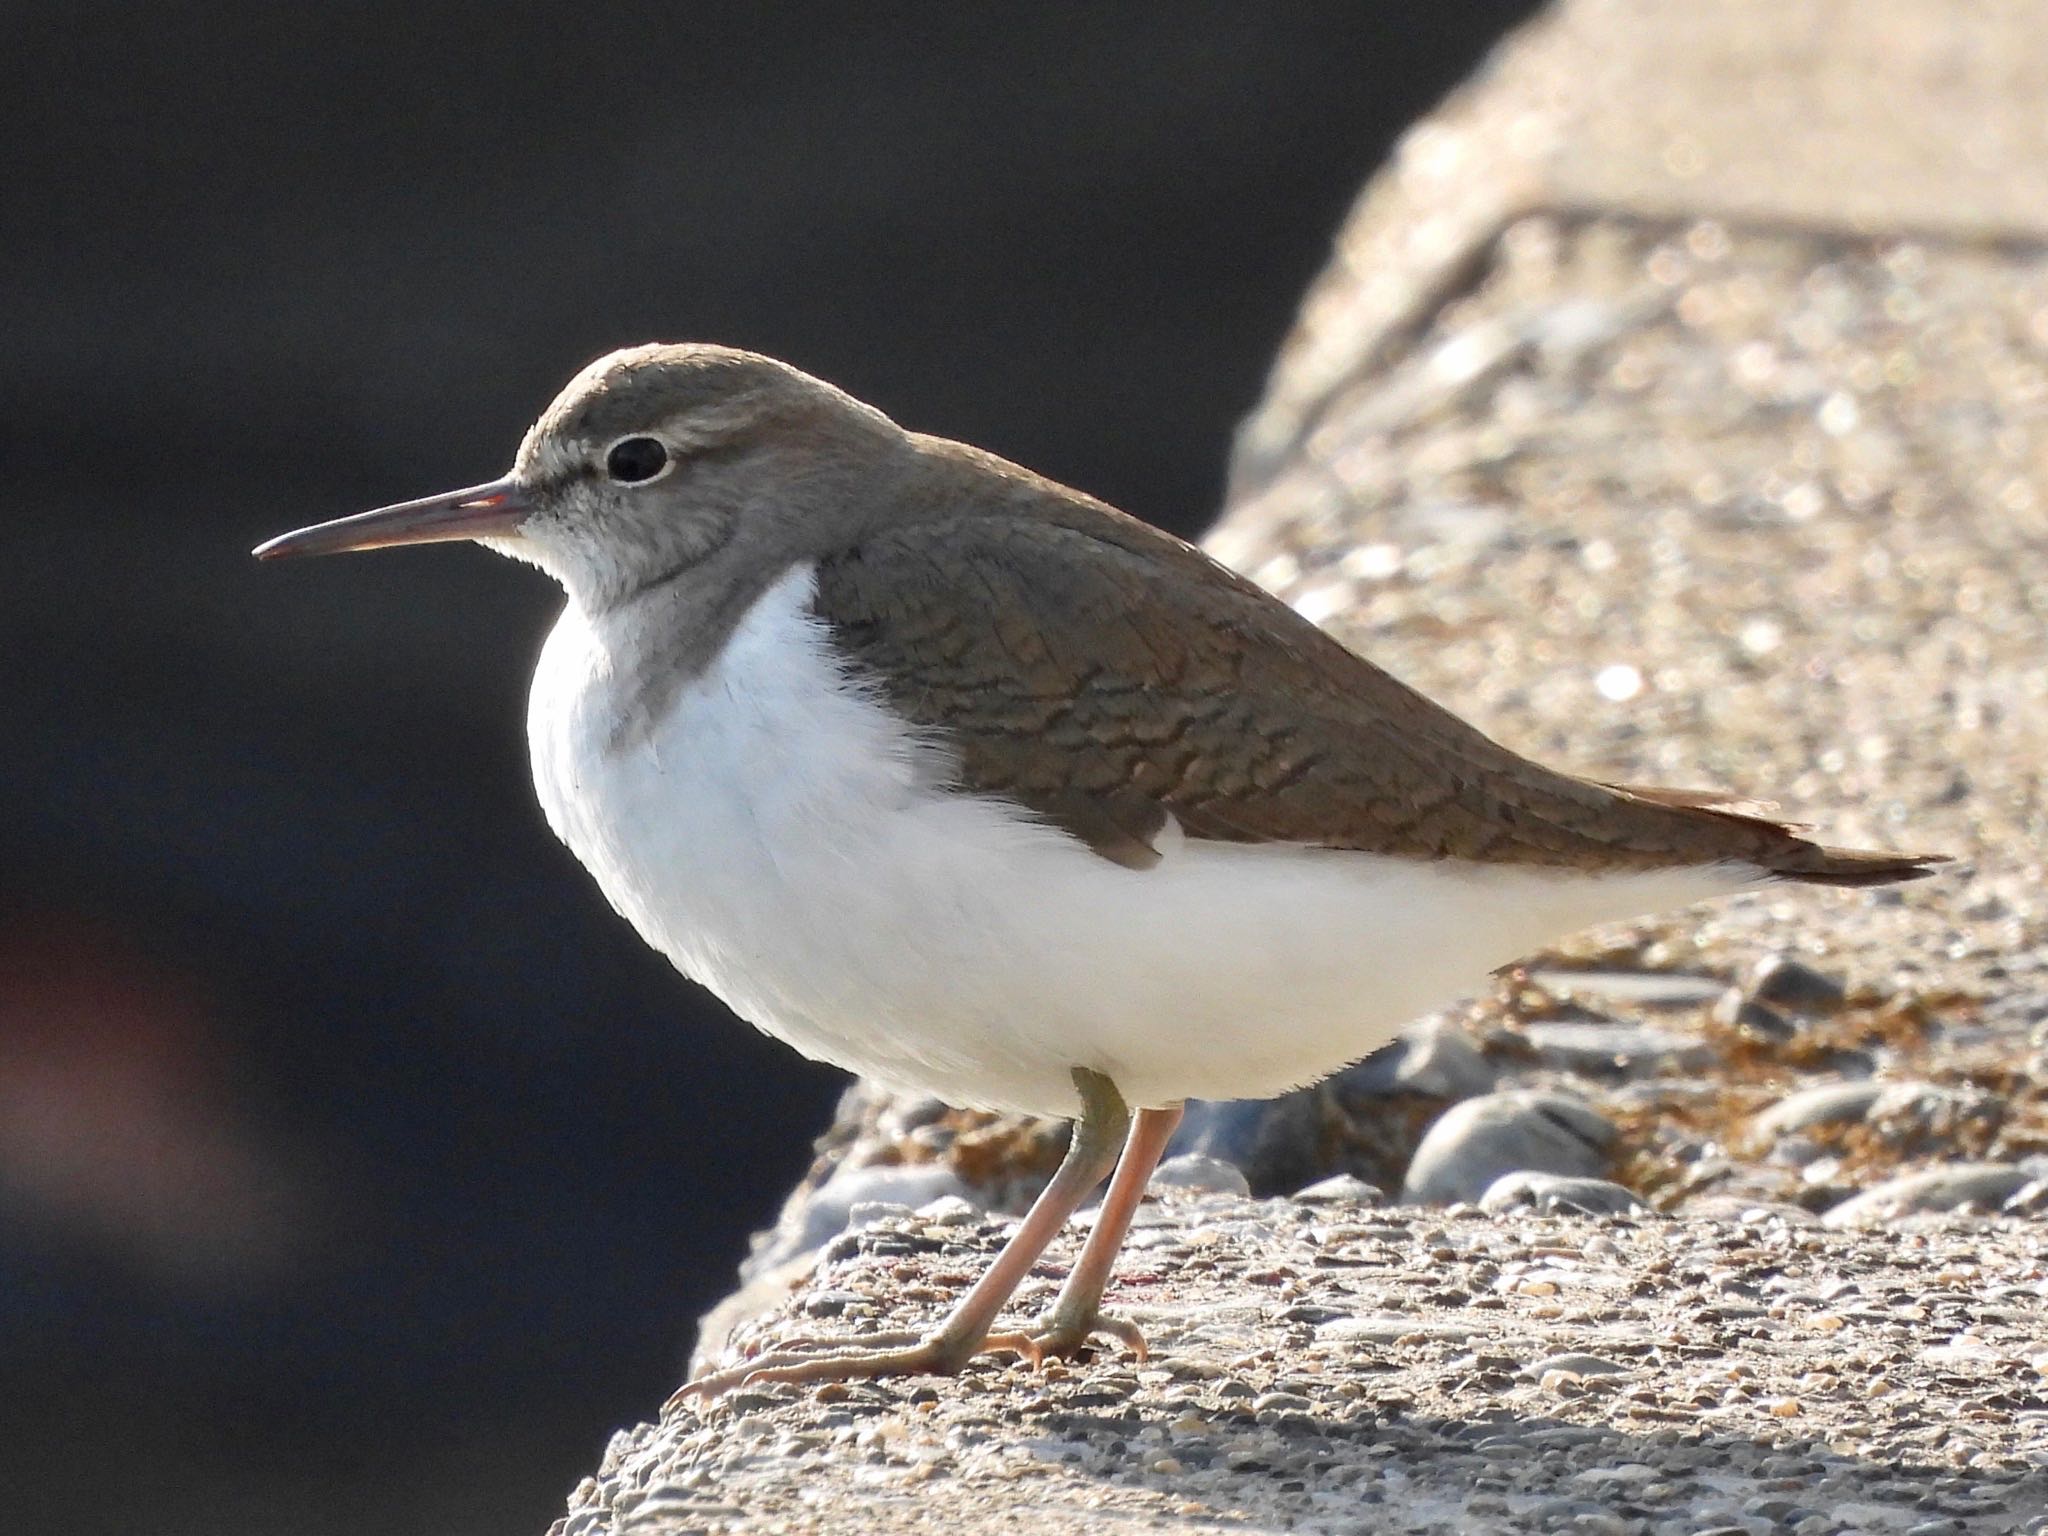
1272 1141
872 1213
1437 1059
1559 1195
1822 1104
1341 1189
1917 1114
1474 1143
1946 1187
1602 1048
1752 1020
1782 981
948 1211
1200 1173
1281 1402
1743 1210
855 1197
823 1301
2030 1199
1578 1364
1641 989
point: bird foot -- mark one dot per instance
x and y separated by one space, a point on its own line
810 1360
1057 1337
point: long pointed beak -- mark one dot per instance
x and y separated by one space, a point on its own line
476 512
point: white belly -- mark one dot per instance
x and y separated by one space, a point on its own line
777 836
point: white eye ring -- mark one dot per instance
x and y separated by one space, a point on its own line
638 460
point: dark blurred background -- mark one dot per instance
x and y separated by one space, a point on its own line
359 1171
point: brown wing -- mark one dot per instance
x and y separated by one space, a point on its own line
1106 675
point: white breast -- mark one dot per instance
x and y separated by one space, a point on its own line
779 836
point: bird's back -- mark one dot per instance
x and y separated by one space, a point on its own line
1108 676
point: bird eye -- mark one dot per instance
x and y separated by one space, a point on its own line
633 459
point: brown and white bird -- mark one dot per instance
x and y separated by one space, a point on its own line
967 782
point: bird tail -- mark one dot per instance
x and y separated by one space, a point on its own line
1815 864
1782 852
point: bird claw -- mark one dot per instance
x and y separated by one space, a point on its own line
800 1360
1024 1346
1056 1338
926 1355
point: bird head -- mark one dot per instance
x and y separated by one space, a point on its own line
653 461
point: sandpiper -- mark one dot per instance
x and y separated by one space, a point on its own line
963 780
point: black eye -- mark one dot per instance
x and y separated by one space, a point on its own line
633 459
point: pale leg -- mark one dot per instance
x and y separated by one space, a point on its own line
964 1333
1076 1314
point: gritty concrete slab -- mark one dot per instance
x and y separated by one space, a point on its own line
1326 1368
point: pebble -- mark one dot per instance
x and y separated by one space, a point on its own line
1274 1142
1578 1365
1823 1104
1202 1174
1558 1194
1341 1189
1605 1048
1474 1143
2030 1199
854 1197
1436 1059
1281 1402
1785 982
1642 989
949 1211
1941 1188
1752 1020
